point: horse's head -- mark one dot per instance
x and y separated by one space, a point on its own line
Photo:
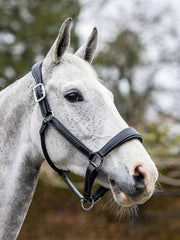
86 108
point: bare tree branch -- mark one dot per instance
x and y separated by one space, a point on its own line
169 180
167 115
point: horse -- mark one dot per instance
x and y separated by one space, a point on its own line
78 100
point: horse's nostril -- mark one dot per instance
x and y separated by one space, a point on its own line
139 182
141 173
139 179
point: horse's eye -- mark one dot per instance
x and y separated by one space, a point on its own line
74 96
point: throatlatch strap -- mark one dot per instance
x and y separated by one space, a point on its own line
62 173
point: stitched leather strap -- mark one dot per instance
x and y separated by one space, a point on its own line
125 135
55 123
43 104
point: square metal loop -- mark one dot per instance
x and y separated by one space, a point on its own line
97 160
41 89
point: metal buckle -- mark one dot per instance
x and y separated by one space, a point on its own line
42 92
94 161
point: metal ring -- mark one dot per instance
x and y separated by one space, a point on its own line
49 117
83 200
93 161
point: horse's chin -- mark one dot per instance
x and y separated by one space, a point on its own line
120 197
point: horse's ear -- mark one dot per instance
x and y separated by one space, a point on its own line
87 51
61 44
63 40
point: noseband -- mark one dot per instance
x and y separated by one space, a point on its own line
95 158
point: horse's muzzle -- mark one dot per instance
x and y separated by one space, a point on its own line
133 191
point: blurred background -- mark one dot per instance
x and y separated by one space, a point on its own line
138 57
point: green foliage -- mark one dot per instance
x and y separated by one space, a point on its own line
27 30
160 141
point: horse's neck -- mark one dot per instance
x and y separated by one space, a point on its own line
18 167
